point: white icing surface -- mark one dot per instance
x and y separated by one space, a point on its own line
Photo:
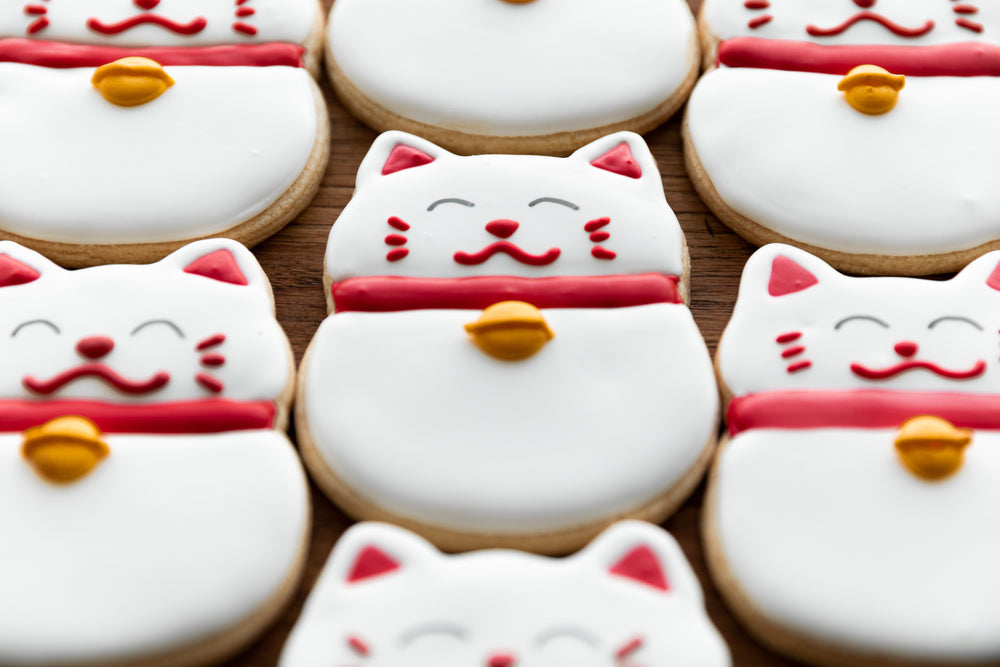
917 180
170 540
215 149
408 412
506 69
643 230
504 602
274 20
830 536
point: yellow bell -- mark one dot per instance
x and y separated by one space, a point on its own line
931 448
131 81
871 89
510 330
64 449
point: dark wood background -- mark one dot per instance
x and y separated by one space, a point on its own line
294 261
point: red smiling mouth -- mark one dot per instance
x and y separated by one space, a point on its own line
192 28
509 248
902 367
101 372
895 28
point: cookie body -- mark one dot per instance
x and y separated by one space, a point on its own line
495 76
387 597
849 513
233 145
779 153
154 511
540 449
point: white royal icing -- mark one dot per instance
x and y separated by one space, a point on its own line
787 151
480 606
407 411
172 539
508 69
214 150
824 531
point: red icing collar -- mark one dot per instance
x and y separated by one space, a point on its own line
861 408
961 59
392 293
179 417
65 55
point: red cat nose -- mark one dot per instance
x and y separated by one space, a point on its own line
149 4
864 4
501 660
906 348
502 228
95 347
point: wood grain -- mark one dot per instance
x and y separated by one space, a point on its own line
294 261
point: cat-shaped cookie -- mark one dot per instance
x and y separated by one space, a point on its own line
531 76
508 360
152 509
387 598
851 515
778 152
97 168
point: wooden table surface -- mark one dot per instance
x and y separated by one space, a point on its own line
294 261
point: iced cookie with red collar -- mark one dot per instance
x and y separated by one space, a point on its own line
387 597
152 509
131 127
509 359
860 130
521 76
850 515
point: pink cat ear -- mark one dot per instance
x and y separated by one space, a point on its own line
219 265
371 562
642 564
619 160
404 157
788 277
14 272
994 279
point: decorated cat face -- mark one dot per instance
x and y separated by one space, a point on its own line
196 325
160 22
387 597
856 21
799 324
421 211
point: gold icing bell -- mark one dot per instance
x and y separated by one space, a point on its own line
510 330
932 448
64 449
871 89
132 81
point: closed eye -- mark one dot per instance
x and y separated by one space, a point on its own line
553 200
572 631
450 200
868 318
429 629
152 323
954 318
31 322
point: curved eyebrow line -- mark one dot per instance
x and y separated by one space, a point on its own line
450 200
30 322
958 318
859 317
152 322
431 628
553 200
571 630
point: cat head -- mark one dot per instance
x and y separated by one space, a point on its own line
198 324
799 324
902 22
161 22
421 211
387 597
